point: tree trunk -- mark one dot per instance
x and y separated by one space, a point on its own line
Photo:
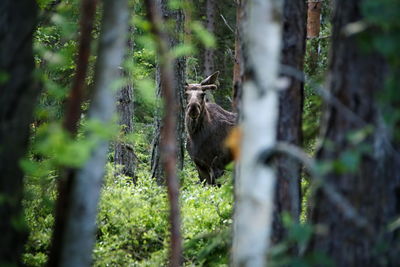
124 153
238 60
168 146
255 180
209 67
174 38
290 115
313 29
18 94
313 18
78 235
372 185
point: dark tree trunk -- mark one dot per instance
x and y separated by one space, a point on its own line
290 115
209 67
18 94
124 153
174 38
238 60
372 185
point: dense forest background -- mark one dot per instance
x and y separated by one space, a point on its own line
93 96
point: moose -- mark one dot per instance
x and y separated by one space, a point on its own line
207 125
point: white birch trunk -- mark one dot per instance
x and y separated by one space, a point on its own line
81 225
254 185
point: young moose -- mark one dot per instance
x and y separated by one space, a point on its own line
207 126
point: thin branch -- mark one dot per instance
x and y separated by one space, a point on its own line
226 23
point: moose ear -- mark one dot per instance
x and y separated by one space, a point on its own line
212 79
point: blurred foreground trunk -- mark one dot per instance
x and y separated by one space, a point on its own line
357 143
18 94
255 180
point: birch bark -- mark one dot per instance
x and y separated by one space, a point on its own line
255 181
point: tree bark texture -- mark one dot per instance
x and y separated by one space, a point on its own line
78 235
124 153
313 30
288 197
313 18
238 60
209 67
18 94
168 140
255 180
174 38
356 79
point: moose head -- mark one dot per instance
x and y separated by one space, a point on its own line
195 95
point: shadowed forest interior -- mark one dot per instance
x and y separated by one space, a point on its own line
199 133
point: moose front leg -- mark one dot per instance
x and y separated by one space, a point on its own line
204 174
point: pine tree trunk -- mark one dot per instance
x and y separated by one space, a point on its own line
290 115
18 93
238 60
175 38
209 67
313 29
372 186
255 180
124 153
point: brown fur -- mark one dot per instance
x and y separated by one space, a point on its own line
207 126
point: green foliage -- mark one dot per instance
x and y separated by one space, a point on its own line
133 218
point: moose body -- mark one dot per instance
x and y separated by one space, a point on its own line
207 126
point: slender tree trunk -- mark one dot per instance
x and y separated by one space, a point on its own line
238 60
174 39
313 29
168 143
209 67
124 153
255 181
288 197
372 186
18 93
78 235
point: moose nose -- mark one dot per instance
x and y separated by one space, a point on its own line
194 110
